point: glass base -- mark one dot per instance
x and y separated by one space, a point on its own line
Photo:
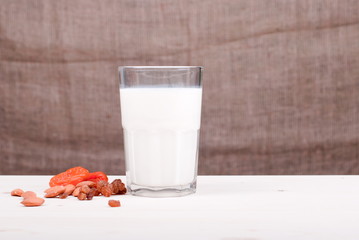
158 192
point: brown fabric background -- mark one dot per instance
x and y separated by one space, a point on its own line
281 81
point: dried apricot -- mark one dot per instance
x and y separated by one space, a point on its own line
71 176
97 176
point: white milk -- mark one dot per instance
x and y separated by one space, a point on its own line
161 129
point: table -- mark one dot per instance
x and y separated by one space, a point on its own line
224 208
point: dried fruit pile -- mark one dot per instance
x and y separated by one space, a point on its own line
80 183
86 190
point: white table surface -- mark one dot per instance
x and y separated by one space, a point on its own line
224 208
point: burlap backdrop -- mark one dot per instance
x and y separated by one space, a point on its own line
281 81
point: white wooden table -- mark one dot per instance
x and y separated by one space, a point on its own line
224 208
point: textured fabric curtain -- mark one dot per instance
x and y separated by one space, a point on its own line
281 81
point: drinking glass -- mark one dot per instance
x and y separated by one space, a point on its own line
161 115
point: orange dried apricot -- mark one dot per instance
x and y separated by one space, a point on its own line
70 176
97 176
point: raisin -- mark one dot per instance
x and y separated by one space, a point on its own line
114 203
118 187
106 191
93 192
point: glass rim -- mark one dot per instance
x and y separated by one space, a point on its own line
159 67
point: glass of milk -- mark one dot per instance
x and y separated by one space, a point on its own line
161 115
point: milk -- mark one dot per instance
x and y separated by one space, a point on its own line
161 131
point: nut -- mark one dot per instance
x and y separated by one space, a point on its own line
85 189
68 191
82 196
54 191
32 201
88 183
28 194
17 192
63 195
114 203
76 192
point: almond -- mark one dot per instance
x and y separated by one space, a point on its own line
17 192
88 183
76 192
69 189
32 202
54 191
28 194
85 189
82 196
